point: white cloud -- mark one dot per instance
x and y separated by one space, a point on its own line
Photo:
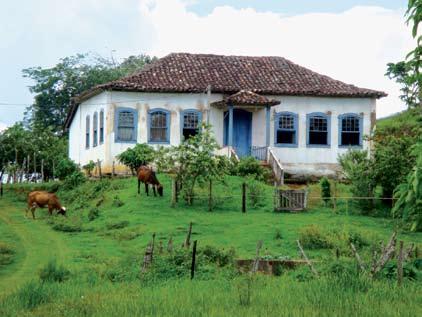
3 126
353 46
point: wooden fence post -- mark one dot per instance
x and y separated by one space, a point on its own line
255 266
42 170
192 268
99 169
35 168
187 241
335 196
113 171
306 259
400 265
244 197
170 245
210 197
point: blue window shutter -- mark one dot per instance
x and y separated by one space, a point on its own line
361 130
308 121
168 125
340 127
296 116
328 130
277 117
135 125
87 132
182 116
308 117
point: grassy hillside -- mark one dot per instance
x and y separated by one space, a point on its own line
104 256
408 120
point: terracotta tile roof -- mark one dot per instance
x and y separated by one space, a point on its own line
184 72
244 97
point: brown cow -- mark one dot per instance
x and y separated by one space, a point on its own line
147 176
40 199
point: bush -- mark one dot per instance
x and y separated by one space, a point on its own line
53 272
141 154
88 168
93 214
311 237
6 254
66 224
325 190
117 202
33 294
117 225
65 168
256 192
249 166
74 180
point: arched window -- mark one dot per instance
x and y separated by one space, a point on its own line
285 126
101 126
87 127
318 126
190 123
126 123
95 129
350 130
158 126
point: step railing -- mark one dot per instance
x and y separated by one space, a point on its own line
276 166
259 152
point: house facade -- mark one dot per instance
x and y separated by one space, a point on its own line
257 106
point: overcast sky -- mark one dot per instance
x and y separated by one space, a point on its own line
349 40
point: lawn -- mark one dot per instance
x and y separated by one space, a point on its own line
117 238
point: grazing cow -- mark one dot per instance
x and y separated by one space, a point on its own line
147 176
40 199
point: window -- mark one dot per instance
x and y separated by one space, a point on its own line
159 123
126 122
350 126
101 126
318 125
87 132
191 122
95 129
285 125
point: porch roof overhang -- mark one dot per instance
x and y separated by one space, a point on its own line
245 98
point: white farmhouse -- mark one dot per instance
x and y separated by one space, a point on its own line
267 107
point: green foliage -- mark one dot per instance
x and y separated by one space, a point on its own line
325 190
357 168
117 225
256 193
311 237
117 202
193 162
7 253
54 273
88 168
250 166
409 204
73 180
33 294
141 154
65 168
55 87
66 224
93 214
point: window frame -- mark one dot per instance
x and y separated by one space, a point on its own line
182 120
87 131
168 117
340 129
101 127
277 117
95 129
308 122
135 125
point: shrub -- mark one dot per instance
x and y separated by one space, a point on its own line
249 166
89 167
325 190
139 155
74 180
93 214
117 225
66 224
53 272
65 168
214 255
256 193
33 294
311 237
117 202
6 254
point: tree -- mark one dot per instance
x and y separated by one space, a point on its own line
193 162
55 87
407 72
409 194
141 154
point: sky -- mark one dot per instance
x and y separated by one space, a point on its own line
351 41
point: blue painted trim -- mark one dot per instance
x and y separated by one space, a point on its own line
87 131
182 114
116 124
355 115
267 125
150 113
95 129
101 127
230 139
296 129
328 118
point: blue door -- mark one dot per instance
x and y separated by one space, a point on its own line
242 131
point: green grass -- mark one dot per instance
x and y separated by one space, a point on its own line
117 237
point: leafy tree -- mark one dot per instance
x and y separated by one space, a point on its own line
193 162
357 168
409 194
65 168
54 87
141 154
325 190
407 72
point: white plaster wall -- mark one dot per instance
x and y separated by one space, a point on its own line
319 161
77 150
259 127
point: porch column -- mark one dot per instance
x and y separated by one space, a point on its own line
267 125
230 138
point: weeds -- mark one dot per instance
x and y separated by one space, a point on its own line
53 272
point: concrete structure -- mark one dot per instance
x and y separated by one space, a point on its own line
305 131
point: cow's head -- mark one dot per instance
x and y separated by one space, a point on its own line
160 190
62 211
